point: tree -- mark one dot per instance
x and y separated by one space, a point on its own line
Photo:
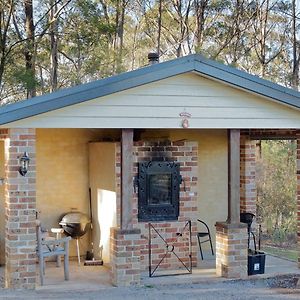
276 186
6 12
88 39
200 7
296 47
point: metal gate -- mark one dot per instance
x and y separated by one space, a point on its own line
170 248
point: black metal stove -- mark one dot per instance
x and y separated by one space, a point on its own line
158 193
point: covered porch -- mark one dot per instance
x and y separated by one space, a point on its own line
229 234
192 115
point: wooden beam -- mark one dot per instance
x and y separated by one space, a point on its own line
126 178
233 175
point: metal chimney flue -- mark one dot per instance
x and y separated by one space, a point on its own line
153 58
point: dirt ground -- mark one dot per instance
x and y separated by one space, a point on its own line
279 288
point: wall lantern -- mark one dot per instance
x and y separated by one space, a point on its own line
24 163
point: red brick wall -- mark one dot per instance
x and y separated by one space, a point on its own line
125 257
3 134
186 153
247 174
20 210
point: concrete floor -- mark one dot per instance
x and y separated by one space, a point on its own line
97 277
92 278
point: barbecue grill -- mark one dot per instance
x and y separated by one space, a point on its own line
75 224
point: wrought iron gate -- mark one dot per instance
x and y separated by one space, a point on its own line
170 248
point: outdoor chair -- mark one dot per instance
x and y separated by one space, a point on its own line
207 238
247 218
52 247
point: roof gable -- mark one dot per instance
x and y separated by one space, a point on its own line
146 75
205 102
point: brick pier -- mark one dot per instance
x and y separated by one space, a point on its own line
232 253
20 211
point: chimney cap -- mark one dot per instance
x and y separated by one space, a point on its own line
153 57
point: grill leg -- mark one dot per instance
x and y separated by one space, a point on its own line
78 252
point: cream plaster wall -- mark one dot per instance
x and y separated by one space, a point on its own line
212 171
103 193
63 172
62 176
2 207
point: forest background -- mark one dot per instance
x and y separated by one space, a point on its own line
47 45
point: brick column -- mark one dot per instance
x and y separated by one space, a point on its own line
232 255
298 191
20 208
125 256
247 176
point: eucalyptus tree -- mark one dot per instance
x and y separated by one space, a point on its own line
8 46
32 22
269 32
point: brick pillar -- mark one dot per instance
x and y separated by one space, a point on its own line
20 209
125 256
298 191
247 177
231 256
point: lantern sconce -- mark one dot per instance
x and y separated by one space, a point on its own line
24 164
185 119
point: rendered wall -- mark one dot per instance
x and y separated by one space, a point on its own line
62 176
62 172
103 196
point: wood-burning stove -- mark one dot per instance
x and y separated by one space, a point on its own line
158 192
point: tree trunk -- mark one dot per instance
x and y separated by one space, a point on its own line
200 7
119 38
5 17
53 47
296 56
29 48
159 21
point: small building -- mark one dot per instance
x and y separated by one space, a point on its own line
151 149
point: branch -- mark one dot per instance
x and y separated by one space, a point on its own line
55 16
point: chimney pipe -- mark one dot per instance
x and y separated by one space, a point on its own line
153 58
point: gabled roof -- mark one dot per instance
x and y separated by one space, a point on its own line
124 81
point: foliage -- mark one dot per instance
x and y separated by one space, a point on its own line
276 187
291 254
69 42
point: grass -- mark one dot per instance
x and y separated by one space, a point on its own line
290 254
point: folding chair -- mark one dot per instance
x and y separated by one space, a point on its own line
204 234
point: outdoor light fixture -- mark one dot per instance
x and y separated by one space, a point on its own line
24 163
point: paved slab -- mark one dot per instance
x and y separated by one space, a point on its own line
92 282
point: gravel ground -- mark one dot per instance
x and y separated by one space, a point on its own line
280 288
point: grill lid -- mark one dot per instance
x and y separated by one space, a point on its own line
75 224
75 218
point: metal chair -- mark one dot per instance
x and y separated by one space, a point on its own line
52 247
204 234
247 218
